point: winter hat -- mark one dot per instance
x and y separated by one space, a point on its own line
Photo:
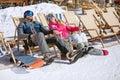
95 51
28 13
105 52
49 16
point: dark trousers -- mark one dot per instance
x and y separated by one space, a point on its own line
62 46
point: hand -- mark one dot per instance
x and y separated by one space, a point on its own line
80 29
56 32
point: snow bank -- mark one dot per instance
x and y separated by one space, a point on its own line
7 25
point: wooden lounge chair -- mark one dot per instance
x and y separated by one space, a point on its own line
3 41
58 2
104 20
111 22
44 21
93 30
16 21
71 18
94 14
114 11
19 41
7 48
118 12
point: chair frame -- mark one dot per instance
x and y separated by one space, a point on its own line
5 44
71 18
100 36
43 20
16 21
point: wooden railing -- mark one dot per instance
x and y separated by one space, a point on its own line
14 1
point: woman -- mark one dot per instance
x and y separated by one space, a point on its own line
77 38
64 29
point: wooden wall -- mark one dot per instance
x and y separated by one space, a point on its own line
14 1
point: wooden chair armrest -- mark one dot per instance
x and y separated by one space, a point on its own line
94 30
72 24
116 26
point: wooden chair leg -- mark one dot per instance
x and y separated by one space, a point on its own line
30 50
55 52
12 54
102 42
117 38
3 42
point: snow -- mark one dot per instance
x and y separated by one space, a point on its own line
7 26
90 67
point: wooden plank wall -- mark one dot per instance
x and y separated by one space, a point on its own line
14 1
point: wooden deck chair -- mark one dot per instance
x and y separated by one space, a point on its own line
114 11
97 7
3 41
7 48
111 22
71 18
86 5
102 23
94 14
58 2
44 22
16 21
93 30
70 3
118 11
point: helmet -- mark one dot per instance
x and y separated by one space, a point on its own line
28 13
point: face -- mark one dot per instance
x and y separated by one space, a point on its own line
29 17
53 19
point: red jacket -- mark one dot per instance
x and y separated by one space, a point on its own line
63 29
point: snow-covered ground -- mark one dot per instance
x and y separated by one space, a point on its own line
90 67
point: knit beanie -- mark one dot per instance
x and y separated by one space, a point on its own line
105 52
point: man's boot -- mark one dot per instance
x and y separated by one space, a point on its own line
48 59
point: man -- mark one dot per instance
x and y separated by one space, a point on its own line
35 32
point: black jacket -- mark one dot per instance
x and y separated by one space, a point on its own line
24 28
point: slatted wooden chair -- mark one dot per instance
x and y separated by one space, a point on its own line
3 41
71 18
118 11
58 2
41 18
19 41
114 11
103 20
16 21
93 30
44 21
7 48
111 22
94 14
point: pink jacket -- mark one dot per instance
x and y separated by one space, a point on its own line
63 29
